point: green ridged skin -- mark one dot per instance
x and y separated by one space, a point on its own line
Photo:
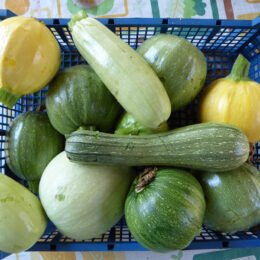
31 143
168 213
77 97
233 198
8 98
205 146
181 66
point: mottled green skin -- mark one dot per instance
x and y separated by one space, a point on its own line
127 125
77 97
31 143
180 65
204 146
168 213
233 198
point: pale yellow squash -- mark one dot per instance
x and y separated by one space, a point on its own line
29 57
234 100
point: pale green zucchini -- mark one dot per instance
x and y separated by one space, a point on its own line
124 72
205 146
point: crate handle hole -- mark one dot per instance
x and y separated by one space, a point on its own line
225 244
110 247
56 21
218 22
53 247
165 21
111 21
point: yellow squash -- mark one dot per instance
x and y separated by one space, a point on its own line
29 58
234 100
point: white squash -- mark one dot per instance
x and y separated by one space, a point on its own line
83 201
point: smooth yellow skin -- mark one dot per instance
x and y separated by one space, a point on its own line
29 55
236 103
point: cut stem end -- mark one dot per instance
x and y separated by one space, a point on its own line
145 178
8 98
75 18
41 108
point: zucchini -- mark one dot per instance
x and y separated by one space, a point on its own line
179 64
78 98
204 146
124 72
165 212
232 196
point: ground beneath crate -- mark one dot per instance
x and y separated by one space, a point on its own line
237 254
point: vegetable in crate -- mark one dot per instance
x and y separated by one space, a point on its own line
234 99
128 125
29 58
83 201
124 72
22 219
181 67
164 209
31 142
77 97
205 146
232 198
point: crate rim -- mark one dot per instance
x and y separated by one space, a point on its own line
161 22
255 23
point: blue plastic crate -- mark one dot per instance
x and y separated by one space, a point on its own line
220 41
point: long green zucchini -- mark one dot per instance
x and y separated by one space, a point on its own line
205 146
124 72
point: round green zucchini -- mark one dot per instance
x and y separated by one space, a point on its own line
77 97
31 142
181 67
233 198
164 209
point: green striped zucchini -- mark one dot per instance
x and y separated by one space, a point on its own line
204 146
124 72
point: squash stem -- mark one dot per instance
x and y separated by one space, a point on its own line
252 152
88 127
75 18
145 178
34 186
41 108
240 69
127 131
8 98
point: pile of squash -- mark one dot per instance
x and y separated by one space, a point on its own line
104 148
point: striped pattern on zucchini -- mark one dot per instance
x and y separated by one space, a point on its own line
204 146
